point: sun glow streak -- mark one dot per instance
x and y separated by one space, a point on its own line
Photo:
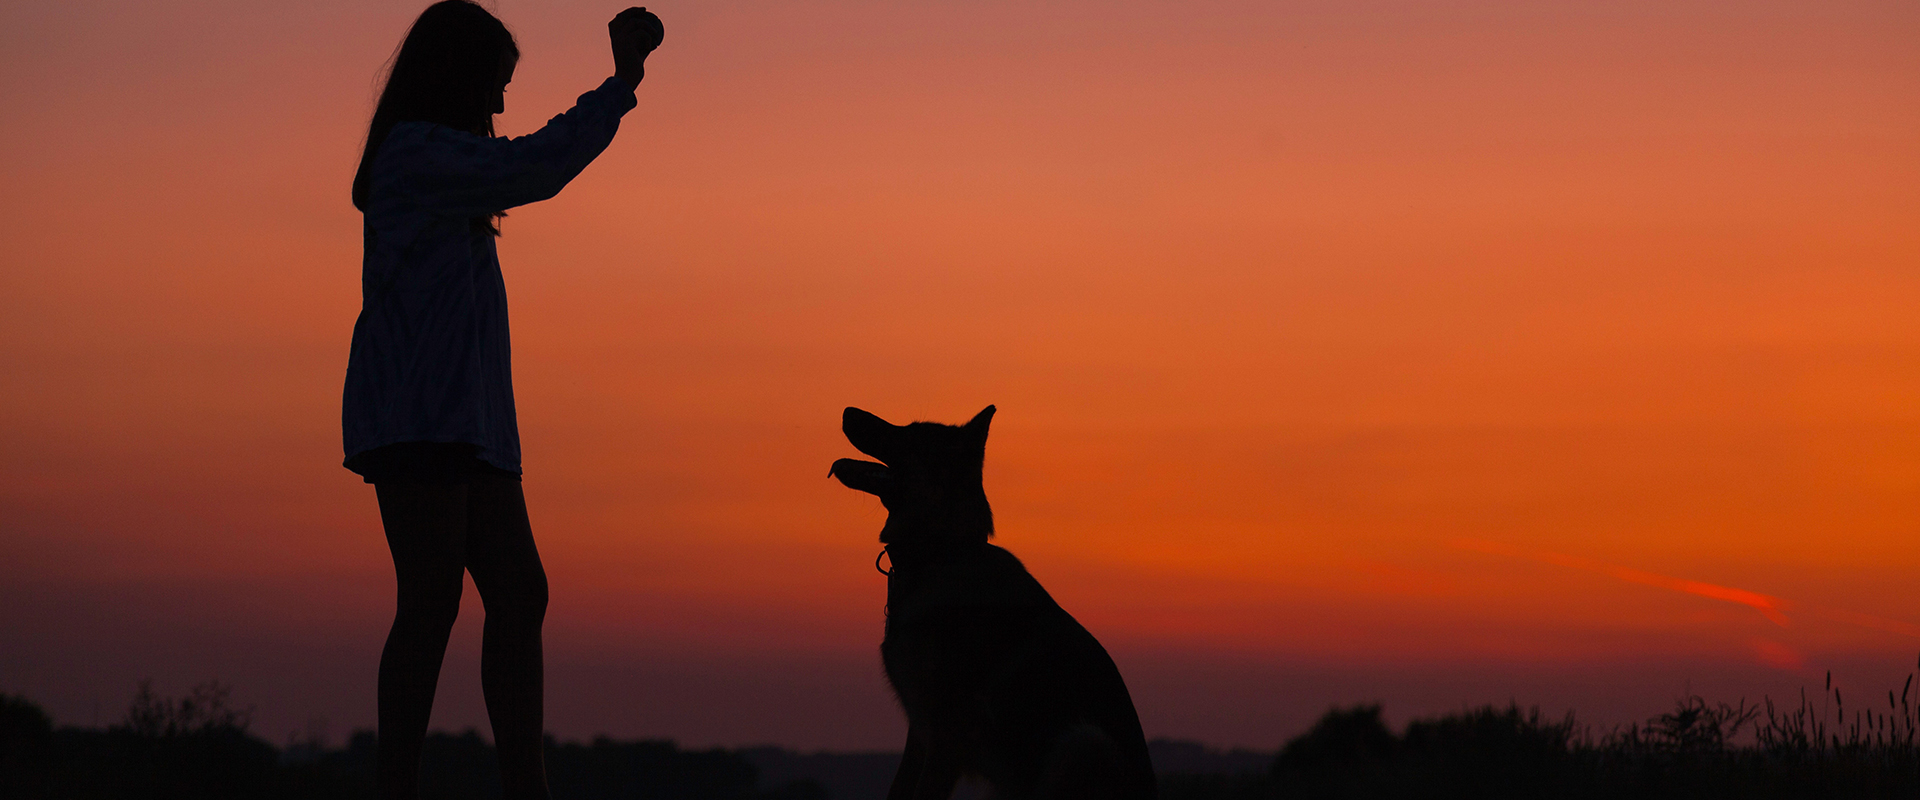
1772 607
1768 605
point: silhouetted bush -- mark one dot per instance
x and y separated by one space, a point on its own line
1346 754
26 744
1487 752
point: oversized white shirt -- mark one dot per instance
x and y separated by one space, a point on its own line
431 357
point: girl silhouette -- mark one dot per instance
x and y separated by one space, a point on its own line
428 413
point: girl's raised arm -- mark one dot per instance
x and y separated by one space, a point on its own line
462 174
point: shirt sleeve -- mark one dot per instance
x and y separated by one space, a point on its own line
460 174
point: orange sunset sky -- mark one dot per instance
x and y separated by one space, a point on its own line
1359 350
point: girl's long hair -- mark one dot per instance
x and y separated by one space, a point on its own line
446 72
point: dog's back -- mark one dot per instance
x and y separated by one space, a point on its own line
990 665
996 679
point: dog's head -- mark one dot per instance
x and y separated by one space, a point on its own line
928 476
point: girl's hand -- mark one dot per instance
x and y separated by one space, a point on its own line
635 32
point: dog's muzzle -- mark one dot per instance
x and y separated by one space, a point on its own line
866 476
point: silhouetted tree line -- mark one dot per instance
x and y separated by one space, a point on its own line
199 746
1699 750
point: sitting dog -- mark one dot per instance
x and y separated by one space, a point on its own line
999 683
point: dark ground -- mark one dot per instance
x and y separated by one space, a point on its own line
197 747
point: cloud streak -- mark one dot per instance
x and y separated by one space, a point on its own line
1773 608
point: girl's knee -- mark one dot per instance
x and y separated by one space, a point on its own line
521 600
431 607
436 618
530 601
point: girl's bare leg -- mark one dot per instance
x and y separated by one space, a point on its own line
426 527
513 587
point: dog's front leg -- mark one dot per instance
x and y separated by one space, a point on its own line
927 771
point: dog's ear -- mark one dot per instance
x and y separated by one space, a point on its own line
870 434
978 425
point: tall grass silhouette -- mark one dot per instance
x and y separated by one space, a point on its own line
1699 749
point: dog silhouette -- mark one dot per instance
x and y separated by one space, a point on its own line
1000 684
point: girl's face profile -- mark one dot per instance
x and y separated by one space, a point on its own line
507 64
